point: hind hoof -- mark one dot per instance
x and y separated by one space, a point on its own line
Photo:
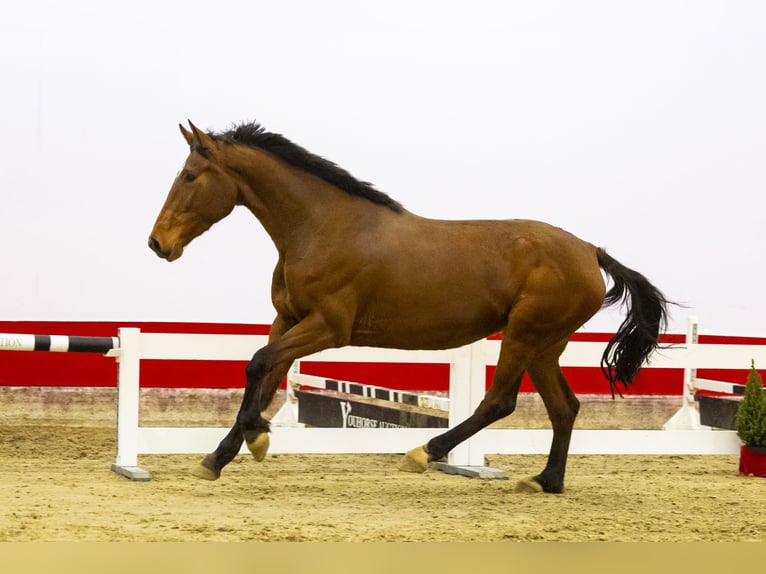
258 446
415 460
528 486
205 471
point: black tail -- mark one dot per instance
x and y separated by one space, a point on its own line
638 335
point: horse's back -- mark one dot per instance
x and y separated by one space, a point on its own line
487 252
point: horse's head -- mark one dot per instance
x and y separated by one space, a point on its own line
202 194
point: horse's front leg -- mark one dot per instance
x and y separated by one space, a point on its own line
263 374
211 466
259 392
269 366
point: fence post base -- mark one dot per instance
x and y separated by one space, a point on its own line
485 472
135 473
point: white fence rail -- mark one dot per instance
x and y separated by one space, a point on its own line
467 384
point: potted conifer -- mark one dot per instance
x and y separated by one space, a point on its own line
751 426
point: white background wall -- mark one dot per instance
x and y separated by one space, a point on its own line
639 126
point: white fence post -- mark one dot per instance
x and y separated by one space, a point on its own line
287 415
460 372
688 416
128 381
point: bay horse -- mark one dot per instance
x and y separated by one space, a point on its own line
356 268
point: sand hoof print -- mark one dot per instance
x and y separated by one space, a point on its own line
528 486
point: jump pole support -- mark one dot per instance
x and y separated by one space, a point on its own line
125 349
688 417
129 361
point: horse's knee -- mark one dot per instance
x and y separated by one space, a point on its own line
262 382
257 367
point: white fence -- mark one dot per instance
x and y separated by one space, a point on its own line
467 384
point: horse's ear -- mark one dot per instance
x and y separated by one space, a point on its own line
200 139
188 136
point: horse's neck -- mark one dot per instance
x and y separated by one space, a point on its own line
287 201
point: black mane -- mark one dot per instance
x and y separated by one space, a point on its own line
254 135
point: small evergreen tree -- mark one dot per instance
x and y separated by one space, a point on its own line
751 415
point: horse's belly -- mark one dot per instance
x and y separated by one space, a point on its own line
418 330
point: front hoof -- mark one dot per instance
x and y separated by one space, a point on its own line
206 469
415 460
258 444
529 486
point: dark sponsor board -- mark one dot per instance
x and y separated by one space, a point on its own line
331 410
718 412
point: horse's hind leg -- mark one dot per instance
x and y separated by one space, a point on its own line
499 402
562 407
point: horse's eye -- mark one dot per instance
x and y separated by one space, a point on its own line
190 177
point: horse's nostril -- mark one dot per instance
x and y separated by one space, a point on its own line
154 245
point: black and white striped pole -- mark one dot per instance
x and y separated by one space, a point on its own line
58 343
